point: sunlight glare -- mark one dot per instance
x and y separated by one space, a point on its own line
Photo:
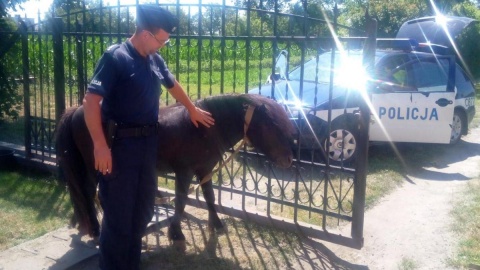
351 73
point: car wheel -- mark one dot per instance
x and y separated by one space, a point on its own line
342 144
312 131
457 127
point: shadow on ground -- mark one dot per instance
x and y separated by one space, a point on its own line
244 245
424 161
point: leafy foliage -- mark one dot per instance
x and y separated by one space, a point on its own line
389 14
8 4
9 70
468 41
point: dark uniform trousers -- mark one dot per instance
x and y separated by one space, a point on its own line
127 197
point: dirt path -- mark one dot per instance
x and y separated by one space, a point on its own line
412 226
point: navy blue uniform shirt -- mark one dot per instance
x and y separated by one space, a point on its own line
130 85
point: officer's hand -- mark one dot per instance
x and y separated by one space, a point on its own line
103 159
203 117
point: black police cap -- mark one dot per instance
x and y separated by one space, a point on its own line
152 16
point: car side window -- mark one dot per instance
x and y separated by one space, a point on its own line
430 76
460 76
400 76
393 70
462 82
391 63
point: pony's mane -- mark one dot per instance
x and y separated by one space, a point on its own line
274 110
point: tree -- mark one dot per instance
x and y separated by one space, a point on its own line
93 15
9 97
390 15
467 42
5 5
444 6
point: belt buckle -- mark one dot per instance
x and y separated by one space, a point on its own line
145 131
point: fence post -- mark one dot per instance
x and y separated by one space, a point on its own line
26 90
58 67
80 68
361 164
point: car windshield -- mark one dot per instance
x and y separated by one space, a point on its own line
346 64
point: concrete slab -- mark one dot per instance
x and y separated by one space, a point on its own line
63 248
59 249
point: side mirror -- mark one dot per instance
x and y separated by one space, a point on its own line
281 64
274 77
281 68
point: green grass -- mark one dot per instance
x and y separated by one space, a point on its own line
31 205
466 225
12 130
388 166
407 264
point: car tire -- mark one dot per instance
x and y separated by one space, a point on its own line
342 143
311 131
457 127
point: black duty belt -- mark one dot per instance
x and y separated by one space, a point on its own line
141 131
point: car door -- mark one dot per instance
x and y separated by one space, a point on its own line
416 102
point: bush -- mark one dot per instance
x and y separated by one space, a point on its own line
10 68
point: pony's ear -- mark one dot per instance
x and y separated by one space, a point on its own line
262 107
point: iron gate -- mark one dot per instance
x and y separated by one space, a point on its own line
217 49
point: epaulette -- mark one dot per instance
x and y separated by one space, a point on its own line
113 47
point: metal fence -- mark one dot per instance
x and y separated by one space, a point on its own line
217 49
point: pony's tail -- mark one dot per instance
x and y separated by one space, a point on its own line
73 173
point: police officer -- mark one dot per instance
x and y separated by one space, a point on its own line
125 90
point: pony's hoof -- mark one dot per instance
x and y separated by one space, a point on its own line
219 230
222 230
180 246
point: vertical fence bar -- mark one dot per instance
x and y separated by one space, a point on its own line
58 68
177 43
223 48
80 62
248 48
70 60
26 90
361 163
199 52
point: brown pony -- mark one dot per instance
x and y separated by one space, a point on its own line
183 149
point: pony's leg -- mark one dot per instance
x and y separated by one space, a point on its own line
214 222
91 192
88 222
182 183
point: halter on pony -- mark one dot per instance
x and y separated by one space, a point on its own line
245 141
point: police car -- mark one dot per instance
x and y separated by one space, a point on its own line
419 93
